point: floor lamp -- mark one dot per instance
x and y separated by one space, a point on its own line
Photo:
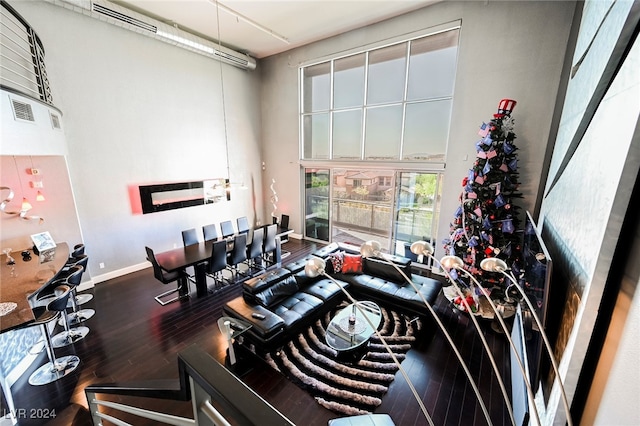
493 264
314 267
454 262
373 249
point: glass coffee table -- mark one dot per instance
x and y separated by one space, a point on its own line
349 332
232 328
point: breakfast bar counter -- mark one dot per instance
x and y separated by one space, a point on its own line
22 279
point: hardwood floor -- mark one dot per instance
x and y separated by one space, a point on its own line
134 338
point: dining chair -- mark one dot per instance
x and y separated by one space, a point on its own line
189 237
255 250
270 244
226 228
165 278
284 224
210 232
237 256
243 225
217 262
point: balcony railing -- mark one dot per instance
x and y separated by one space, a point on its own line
22 67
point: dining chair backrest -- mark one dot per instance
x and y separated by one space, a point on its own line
218 260
243 225
226 228
270 238
239 252
284 221
256 245
189 237
157 270
210 232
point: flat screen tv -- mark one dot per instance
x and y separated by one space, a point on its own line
537 278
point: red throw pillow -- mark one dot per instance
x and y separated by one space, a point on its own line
352 264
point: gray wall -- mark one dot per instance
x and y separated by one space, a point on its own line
139 111
507 50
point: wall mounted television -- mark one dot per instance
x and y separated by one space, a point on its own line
537 279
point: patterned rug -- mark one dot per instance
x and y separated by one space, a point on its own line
346 388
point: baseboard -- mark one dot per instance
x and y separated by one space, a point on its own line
295 236
118 273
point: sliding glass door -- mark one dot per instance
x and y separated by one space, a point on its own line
417 208
316 196
362 205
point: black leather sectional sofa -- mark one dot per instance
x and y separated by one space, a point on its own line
289 300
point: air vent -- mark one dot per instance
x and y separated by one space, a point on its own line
22 110
55 120
124 18
231 58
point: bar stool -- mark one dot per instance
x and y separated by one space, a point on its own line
70 334
55 368
81 260
73 280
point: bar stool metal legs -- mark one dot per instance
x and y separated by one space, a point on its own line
56 368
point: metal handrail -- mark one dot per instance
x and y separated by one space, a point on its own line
210 386
23 67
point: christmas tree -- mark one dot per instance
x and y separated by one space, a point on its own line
487 220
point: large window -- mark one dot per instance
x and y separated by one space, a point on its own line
386 104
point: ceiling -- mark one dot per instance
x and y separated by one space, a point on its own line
299 22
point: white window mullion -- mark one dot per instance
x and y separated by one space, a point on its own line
331 109
364 104
404 99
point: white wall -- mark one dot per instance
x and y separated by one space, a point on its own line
140 111
507 50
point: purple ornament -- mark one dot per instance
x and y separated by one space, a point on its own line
486 169
507 148
513 164
507 226
499 201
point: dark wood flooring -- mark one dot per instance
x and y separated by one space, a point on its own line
134 338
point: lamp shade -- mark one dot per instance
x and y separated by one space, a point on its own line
314 267
452 262
493 264
26 205
40 196
421 247
370 249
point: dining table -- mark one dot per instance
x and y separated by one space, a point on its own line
21 279
196 256
181 258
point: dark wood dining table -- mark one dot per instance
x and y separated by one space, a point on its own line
24 278
196 255
181 258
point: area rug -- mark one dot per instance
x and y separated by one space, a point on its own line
346 388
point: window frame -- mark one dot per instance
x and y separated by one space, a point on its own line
331 59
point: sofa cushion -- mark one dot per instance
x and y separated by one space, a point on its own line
273 294
324 289
383 269
297 308
265 328
261 282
